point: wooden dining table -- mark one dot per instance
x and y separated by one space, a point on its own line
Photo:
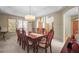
35 38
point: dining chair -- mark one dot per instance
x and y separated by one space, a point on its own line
43 30
26 41
72 45
19 36
46 41
29 43
73 38
23 39
75 47
67 46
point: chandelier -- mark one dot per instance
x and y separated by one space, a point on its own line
30 17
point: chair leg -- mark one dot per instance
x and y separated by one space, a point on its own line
20 42
45 50
50 49
27 48
36 49
23 45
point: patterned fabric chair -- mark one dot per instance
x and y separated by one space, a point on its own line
47 41
75 47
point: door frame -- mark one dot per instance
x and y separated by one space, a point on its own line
72 25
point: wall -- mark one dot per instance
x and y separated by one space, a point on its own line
67 23
59 23
4 20
58 26
50 20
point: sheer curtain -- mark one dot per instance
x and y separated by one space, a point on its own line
19 25
25 26
22 24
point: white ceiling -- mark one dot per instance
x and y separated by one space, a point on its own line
73 11
24 10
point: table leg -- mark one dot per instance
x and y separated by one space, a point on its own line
4 36
34 47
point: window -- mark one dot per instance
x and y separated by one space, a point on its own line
11 25
50 21
25 25
19 24
40 23
22 24
44 21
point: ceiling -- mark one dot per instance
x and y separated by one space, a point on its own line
24 10
72 12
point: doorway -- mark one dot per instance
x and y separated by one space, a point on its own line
70 23
74 26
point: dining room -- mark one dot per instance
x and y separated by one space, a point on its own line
32 29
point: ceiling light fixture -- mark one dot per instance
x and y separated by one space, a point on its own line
30 17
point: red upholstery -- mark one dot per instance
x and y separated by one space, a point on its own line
50 35
75 47
69 50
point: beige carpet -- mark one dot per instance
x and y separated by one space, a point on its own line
10 45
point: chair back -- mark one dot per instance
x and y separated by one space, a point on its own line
23 32
18 32
73 38
43 31
23 35
50 36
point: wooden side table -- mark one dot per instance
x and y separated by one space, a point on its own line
3 34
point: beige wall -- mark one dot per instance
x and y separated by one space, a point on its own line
4 20
67 25
59 27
